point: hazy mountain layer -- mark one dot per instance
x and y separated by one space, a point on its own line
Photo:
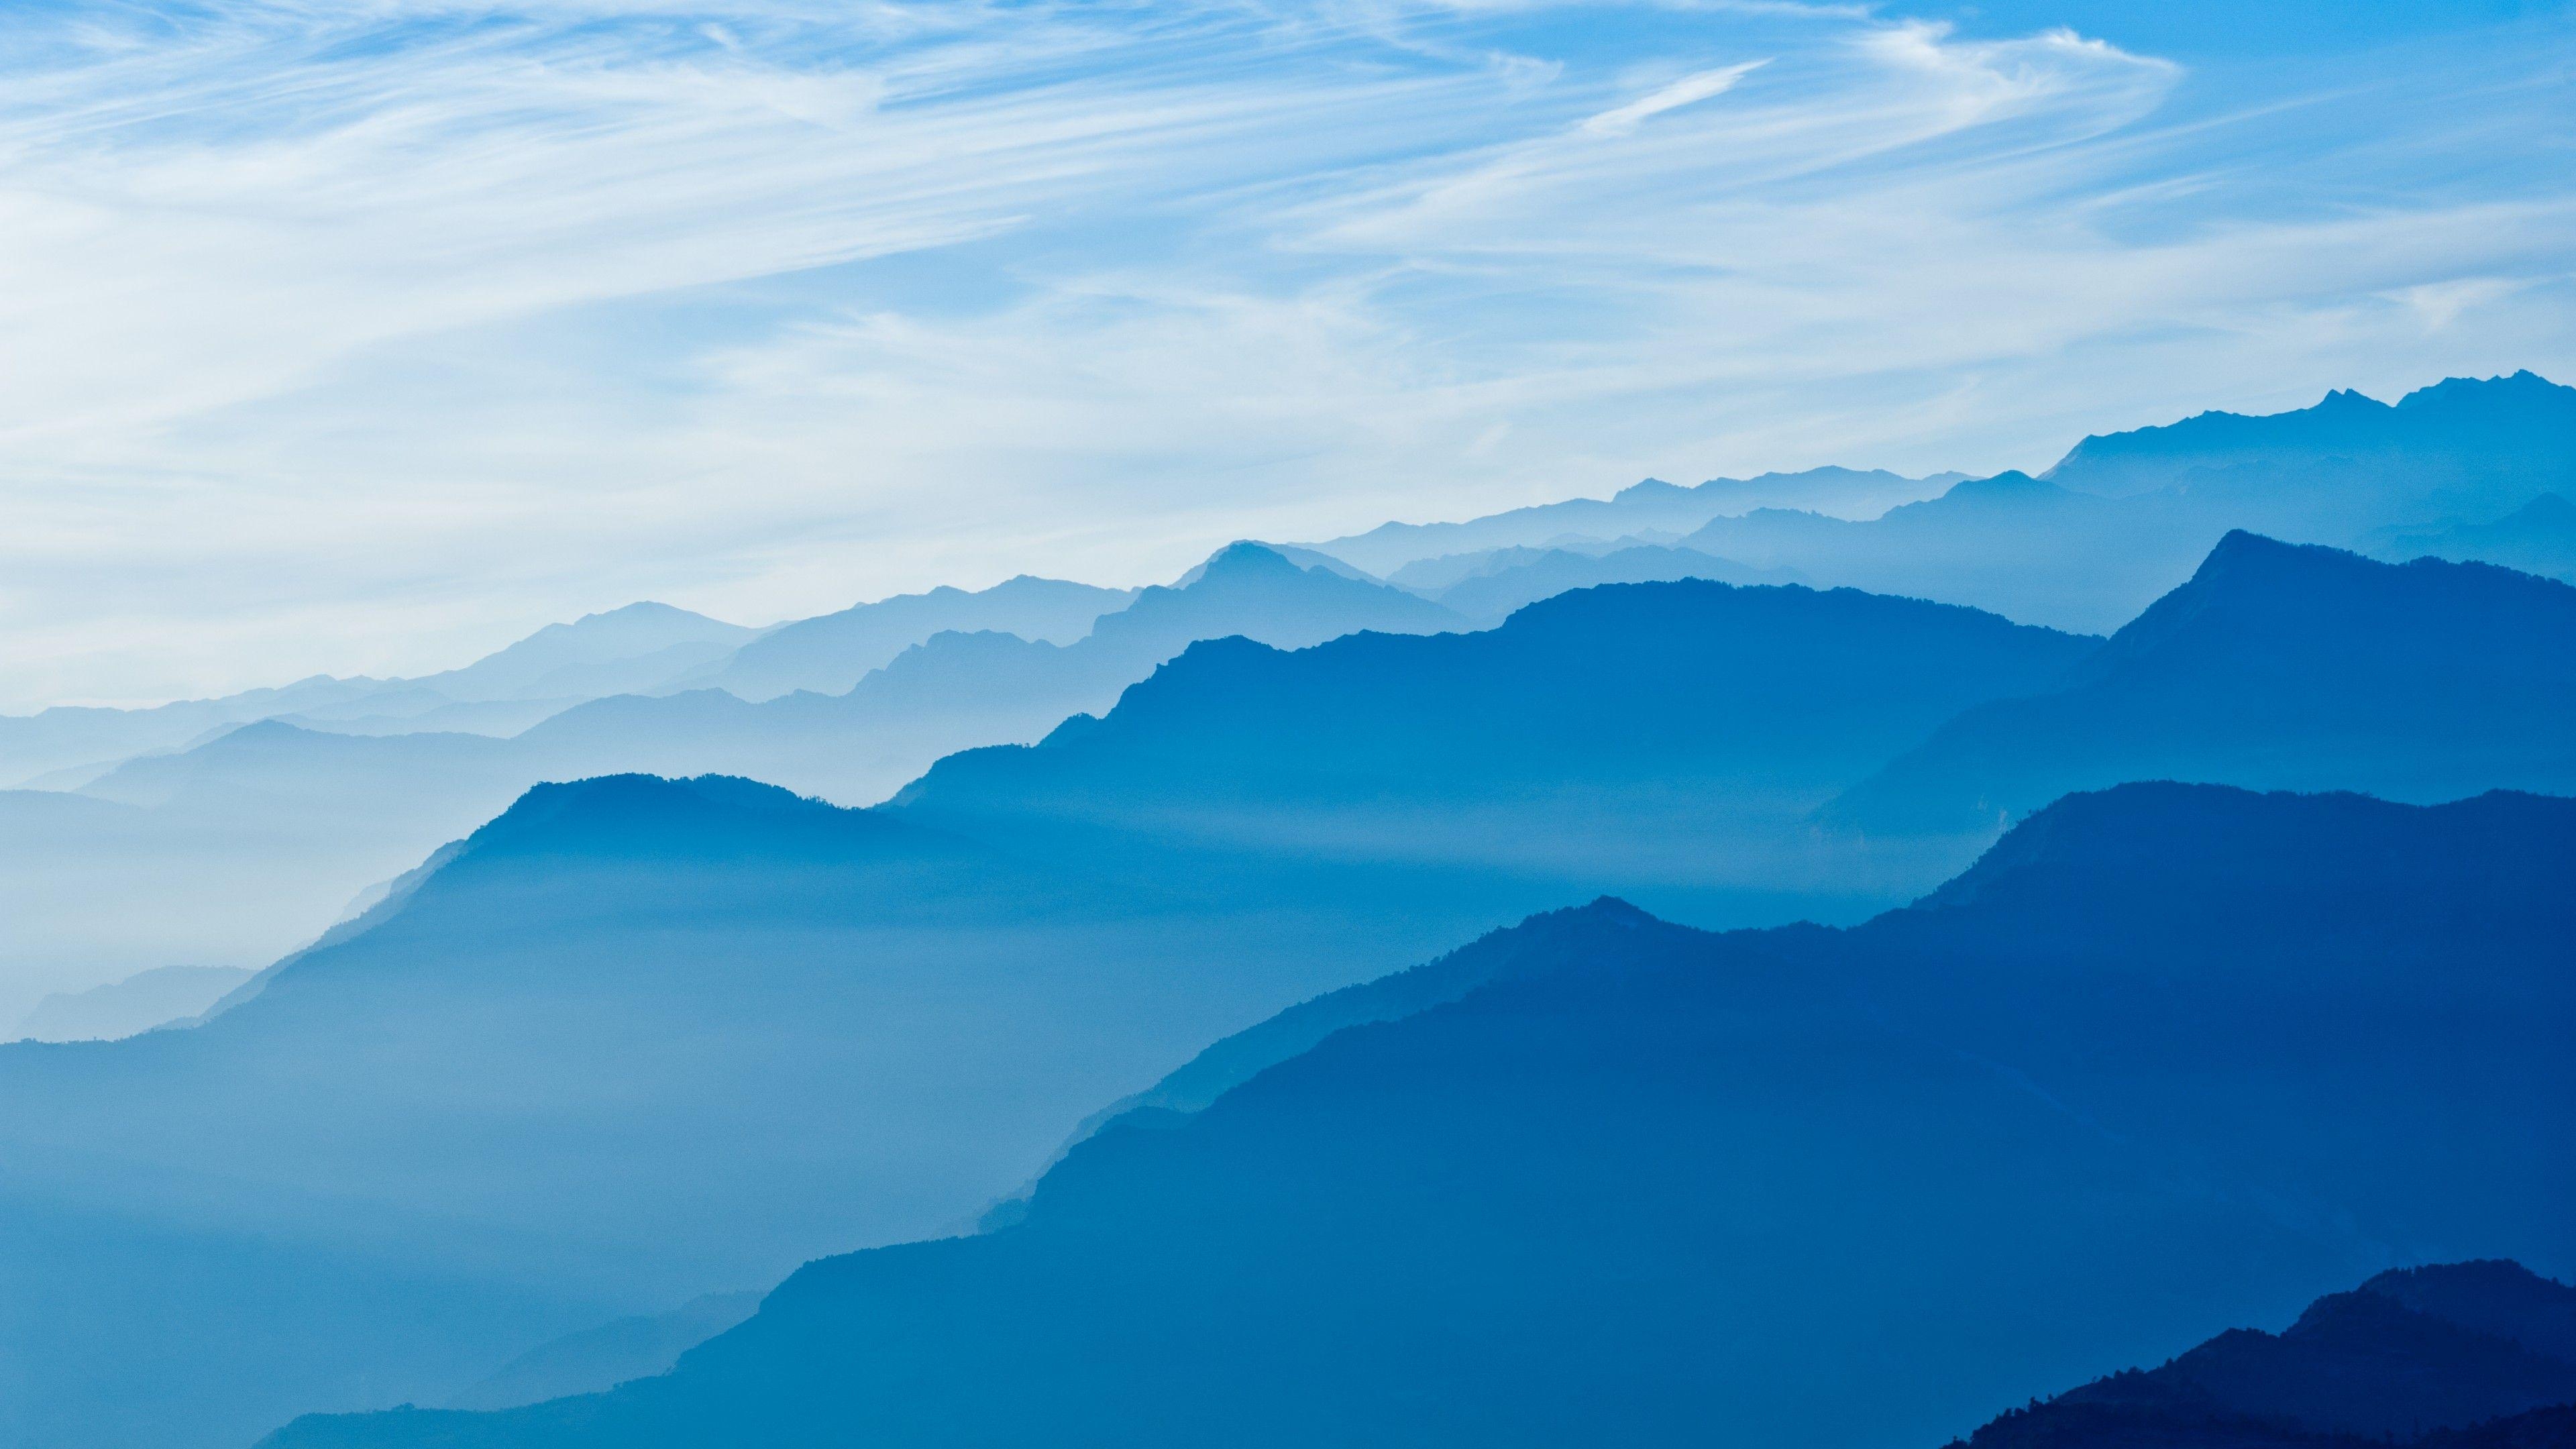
831 653
1525 576
641 646
256 840
138 1003
1650 506
2121 519
2537 538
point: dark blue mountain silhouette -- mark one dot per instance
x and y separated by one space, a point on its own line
2456 1354
2169 1058
2276 667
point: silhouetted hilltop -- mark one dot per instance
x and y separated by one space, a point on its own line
2409 1355
2276 666
1795 1186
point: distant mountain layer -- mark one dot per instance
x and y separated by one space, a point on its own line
644 648
2459 1355
138 1003
608 1355
2276 667
1650 506
1512 579
2169 1058
251 842
2538 538
641 646
830 653
2121 519
2466 442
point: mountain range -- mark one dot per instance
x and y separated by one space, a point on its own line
238 849
2167 1058
1953 1020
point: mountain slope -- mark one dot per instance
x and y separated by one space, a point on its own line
1800 1186
2277 667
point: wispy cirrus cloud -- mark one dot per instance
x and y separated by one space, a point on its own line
362 337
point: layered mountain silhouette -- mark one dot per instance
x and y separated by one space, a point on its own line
2276 666
1648 507
309 819
2455 1355
1667 739
641 646
1506 580
831 653
2168 1058
633 1041
656 1010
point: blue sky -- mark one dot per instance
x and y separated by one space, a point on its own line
363 336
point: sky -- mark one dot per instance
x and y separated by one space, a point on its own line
364 336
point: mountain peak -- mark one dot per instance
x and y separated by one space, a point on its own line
1244 558
648 814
